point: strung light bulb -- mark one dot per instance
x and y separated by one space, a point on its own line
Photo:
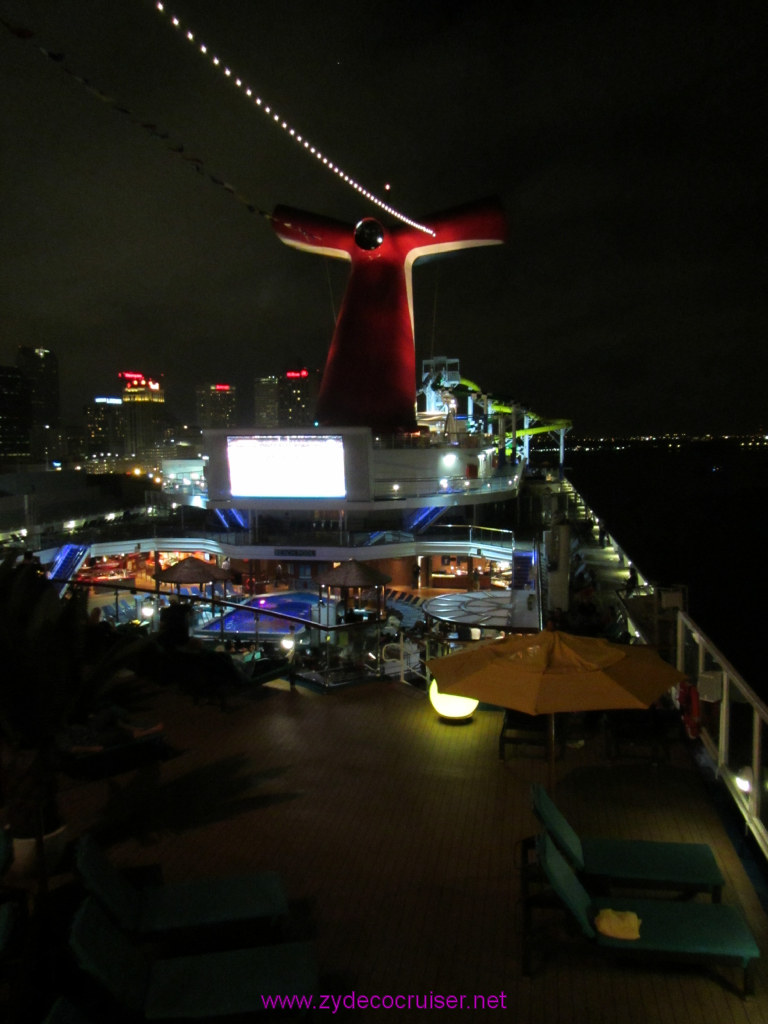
216 61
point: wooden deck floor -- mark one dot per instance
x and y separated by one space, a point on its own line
397 836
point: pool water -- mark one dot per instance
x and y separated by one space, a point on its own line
242 620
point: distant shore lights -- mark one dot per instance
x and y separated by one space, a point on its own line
286 127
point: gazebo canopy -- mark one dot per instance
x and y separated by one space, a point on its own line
192 570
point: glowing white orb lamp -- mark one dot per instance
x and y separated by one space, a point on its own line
449 705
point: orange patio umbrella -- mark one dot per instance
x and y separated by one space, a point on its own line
550 672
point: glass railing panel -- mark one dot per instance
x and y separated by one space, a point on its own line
740 730
709 681
690 656
762 777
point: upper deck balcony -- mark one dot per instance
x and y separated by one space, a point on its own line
351 468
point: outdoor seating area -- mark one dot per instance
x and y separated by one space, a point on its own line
183 907
639 928
201 986
307 841
604 864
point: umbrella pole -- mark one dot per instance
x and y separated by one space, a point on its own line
551 752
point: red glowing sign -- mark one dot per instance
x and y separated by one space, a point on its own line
138 380
221 387
293 374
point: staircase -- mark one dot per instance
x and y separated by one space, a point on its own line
68 560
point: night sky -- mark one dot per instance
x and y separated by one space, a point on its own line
626 141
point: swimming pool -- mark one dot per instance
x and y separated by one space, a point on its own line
300 604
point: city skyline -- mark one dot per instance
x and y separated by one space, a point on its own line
624 146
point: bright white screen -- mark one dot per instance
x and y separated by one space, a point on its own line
286 467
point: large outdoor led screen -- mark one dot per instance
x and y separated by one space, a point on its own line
278 466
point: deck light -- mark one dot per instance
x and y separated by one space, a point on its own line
448 705
744 779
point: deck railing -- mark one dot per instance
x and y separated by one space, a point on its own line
723 710
732 723
728 717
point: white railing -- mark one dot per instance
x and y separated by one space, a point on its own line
728 716
733 725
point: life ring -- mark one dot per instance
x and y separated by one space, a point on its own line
690 709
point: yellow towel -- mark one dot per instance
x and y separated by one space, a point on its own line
618 924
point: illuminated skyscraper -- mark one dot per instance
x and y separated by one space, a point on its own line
15 413
105 427
288 399
216 405
297 397
143 413
265 401
41 368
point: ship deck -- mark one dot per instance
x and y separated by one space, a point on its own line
398 836
398 839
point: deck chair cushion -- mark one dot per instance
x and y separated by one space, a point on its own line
180 905
101 878
8 918
565 883
692 929
6 851
556 825
230 982
64 1012
651 861
102 951
201 986
643 862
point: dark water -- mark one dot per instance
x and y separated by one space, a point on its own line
696 515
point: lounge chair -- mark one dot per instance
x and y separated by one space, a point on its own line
153 910
6 851
9 915
669 930
631 863
64 1012
220 984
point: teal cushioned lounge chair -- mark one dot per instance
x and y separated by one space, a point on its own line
9 915
209 985
152 910
631 863
64 1012
669 930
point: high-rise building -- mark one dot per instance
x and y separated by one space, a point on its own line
41 368
216 405
105 427
266 403
286 400
143 414
15 414
297 397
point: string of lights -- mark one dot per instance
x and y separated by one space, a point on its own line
173 145
281 123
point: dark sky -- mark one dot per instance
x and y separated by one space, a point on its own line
627 142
